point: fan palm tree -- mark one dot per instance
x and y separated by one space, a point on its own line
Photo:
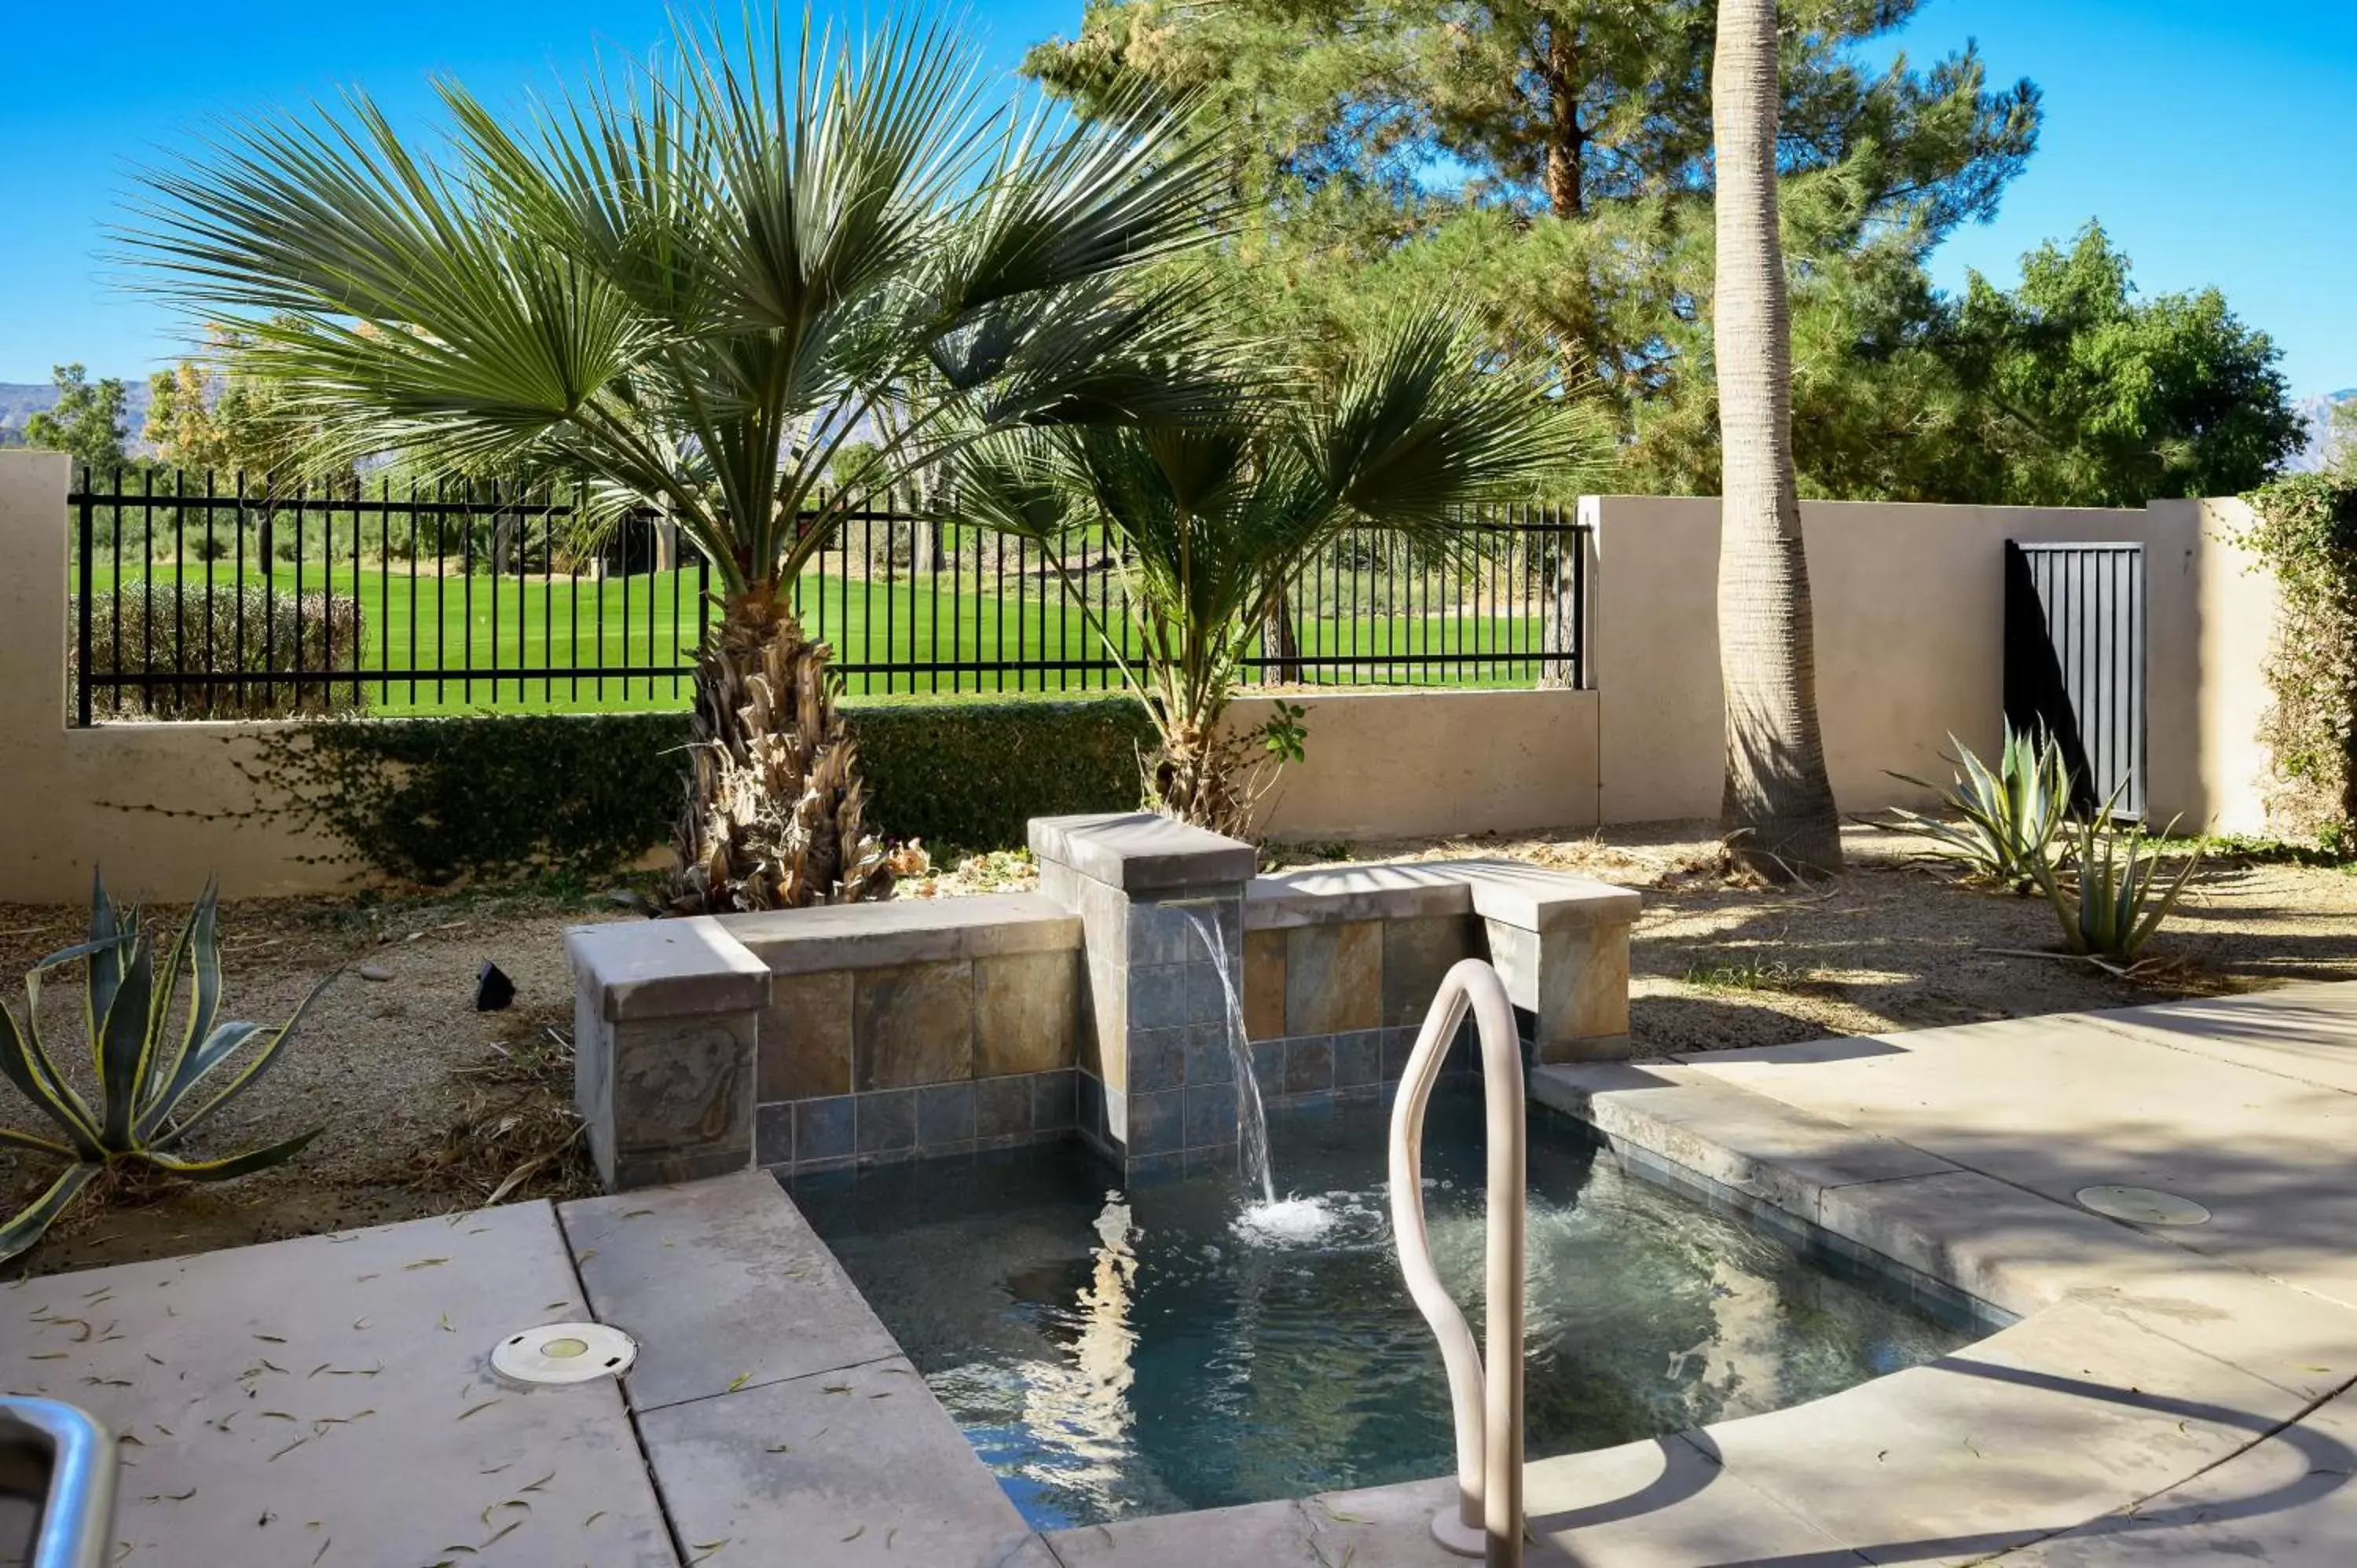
688 286
1214 511
1777 811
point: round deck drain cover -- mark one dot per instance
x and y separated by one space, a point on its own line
565 1353
2143 1205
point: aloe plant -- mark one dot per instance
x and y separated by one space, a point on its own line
2004 818
160 1074
2111 890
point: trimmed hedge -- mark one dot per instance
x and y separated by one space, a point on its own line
170 628
969 774
438 800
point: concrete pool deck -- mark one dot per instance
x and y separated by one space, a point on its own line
2167 1395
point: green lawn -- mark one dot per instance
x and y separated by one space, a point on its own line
496 643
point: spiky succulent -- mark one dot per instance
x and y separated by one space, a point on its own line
160 1074
2003 819
2111 891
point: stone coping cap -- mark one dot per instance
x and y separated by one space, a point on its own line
1141 851
904 930
667 969
1537 900
1326 894
1530 896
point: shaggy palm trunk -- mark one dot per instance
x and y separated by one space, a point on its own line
1200 776
1778 809
1281 645
775 816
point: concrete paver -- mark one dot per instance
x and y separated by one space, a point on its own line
1744 1140
1273 1533
2307 1032
2055 1104
835 1469
725 1286
2066 1415
327 1401
2286 1501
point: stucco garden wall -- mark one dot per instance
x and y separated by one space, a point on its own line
160 806
1908 614
1910 607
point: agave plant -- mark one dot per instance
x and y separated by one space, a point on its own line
1212 513
2004 818
692 284
160 1074
2111 890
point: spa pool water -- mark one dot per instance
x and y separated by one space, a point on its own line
1180 1346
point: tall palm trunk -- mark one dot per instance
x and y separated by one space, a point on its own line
1778 809
775 815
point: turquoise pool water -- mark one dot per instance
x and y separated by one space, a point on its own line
1178 1347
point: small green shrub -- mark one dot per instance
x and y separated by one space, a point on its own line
2110 889
2006 817
167 627
161 1075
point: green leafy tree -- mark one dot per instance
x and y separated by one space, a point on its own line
689 284
220 411
2093 397
1553 159
857 466
2340 441
87 421
1212 514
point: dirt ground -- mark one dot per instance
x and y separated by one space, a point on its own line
428 1105
431 1107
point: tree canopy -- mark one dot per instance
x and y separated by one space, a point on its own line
1551 159
87 421
219 413
2093 397
1551 156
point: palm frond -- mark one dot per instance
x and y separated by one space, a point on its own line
688 280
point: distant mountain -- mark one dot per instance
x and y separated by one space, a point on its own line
2318 412
19 400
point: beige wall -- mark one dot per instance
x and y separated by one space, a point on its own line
161 806
1910 607
1909 615
1395 764
2236 604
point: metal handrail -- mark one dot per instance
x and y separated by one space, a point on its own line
78 1510
1488 1519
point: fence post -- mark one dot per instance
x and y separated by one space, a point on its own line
88 582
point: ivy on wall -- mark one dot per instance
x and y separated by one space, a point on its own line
440 801
2305 531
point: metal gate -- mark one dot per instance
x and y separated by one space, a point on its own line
2074 662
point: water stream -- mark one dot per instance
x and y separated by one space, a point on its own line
1251 1121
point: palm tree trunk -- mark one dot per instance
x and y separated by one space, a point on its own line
776 815
1778 809
1281 644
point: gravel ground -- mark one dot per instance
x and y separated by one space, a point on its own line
430 1106
392 1069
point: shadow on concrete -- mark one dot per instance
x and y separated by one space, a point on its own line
2330 1463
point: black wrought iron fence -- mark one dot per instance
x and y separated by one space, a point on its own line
196 597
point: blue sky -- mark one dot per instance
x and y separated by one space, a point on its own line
2216 139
